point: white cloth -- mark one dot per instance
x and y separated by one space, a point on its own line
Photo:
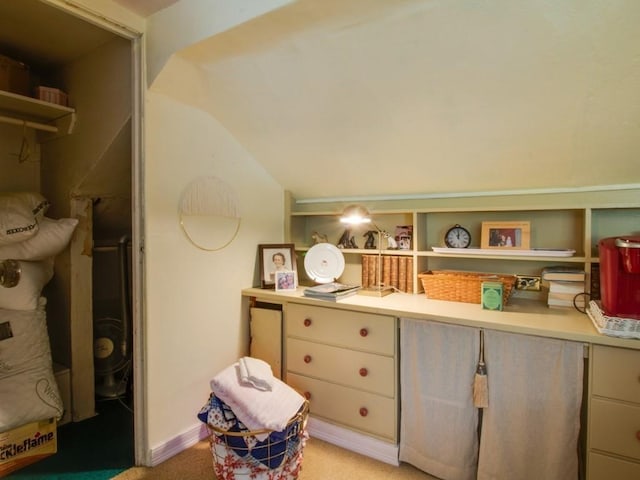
438 432
530 429
256 373
257 409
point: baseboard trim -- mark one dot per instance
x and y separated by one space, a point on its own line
177 444
353 441
347 439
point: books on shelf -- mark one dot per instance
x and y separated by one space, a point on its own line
331 291
566 287
566 300
397 271
566 284
561 273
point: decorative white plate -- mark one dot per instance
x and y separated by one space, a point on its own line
324 263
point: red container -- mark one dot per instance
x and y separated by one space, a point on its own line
620 276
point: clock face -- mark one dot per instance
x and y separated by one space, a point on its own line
457 237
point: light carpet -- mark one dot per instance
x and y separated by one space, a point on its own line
322 461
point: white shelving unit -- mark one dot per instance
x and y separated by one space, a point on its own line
568 221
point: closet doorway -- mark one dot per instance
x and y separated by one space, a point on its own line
93 173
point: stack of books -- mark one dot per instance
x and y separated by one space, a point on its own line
566 286
333 291
397 272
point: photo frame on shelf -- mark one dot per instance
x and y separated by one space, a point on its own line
286 280
276 258
506 235
404 234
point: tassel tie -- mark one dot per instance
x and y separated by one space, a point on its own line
480 381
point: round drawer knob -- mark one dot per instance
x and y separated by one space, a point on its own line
364 372
363 412
364 332
307 359
307 395
307 322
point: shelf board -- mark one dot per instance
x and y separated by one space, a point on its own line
363 251
37 113
527 258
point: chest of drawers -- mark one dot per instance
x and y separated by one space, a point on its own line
345 363
614 414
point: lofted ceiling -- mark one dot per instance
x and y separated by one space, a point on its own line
354 97
361 98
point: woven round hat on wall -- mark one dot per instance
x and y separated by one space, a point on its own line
209 213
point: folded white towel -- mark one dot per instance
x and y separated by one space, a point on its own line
257 409
256 372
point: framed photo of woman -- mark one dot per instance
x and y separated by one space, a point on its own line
276 258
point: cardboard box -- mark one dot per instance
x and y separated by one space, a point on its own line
14 76
27 444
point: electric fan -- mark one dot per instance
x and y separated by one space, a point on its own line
111 348
110 357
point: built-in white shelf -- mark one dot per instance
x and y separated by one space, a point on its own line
33 113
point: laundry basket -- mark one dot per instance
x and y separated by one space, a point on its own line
240 454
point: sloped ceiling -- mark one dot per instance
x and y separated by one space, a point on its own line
144 8
46 37
354 97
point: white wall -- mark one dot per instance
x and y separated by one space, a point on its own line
24 176
194 327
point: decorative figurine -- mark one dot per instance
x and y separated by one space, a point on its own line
319 238
391 242
370 242
347 240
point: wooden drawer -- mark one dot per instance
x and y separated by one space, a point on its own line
345 406
366 371
603 467
616 373
361 331
615 428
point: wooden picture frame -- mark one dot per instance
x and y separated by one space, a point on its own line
276 257
510 235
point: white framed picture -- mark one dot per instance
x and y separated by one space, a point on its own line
286 280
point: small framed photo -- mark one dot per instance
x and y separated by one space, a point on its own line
404 233
512 235
286 280
276 258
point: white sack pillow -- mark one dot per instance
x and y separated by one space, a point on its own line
28 386
19 213
52 237
26 294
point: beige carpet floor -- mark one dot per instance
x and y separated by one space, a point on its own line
322 461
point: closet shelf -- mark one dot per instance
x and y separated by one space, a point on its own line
33 113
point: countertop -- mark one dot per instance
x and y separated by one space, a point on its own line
519 316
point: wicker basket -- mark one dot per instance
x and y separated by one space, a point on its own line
237 455
458 286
